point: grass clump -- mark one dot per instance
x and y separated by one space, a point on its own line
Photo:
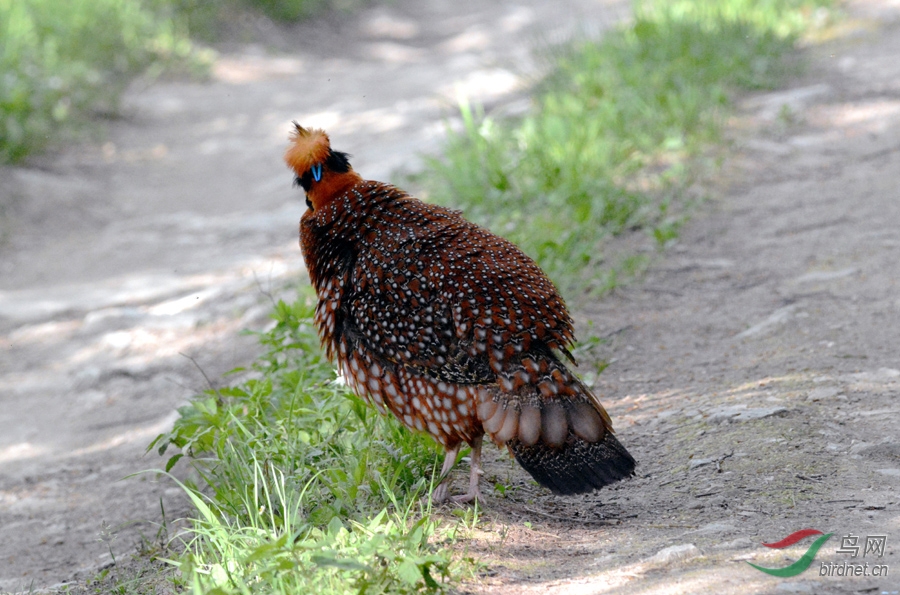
611 142
308 490
294 10
246 20
64 60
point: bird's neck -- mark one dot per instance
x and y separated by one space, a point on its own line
331 186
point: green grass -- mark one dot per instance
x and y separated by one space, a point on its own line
58 68
308 490
247 21
613 140
294 10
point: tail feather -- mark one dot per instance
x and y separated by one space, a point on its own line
554 426
578 466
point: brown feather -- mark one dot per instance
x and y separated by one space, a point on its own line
447 326
309 146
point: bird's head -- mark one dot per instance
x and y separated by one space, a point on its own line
322 172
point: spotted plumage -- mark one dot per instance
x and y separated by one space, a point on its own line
450 328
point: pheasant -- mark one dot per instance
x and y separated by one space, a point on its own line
449 327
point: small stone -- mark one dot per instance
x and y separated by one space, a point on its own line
796 100
760 413
826 275
699 463
776 318
741 543
794 587
716 502
879 375
886 451
117 340
714 528
822 392
738 413
675 554
856 447
87 376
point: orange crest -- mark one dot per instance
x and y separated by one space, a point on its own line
309 146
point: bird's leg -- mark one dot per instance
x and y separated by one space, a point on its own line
475 475
440 493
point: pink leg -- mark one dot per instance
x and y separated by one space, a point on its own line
474 492
441 492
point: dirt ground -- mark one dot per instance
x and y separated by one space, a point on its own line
753 371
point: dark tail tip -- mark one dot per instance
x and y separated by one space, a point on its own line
578 466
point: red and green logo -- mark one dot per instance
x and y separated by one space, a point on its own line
805 560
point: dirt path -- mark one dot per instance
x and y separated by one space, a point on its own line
755 370
116 259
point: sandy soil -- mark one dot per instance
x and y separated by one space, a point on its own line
753 370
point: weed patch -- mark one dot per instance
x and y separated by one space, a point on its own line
293 10
612 142
307 488
58 67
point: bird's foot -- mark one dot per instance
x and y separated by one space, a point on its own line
469 496
440 493
474 493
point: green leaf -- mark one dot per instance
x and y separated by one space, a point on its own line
409 572
172 460
343 564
